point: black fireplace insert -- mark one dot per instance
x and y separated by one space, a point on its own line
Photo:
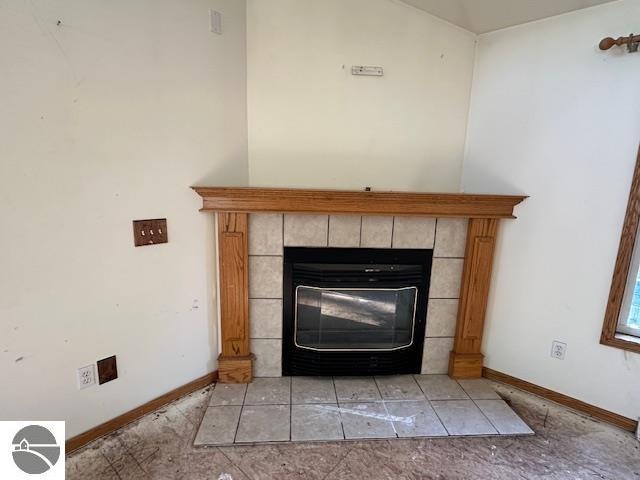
354 311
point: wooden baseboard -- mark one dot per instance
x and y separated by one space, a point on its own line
120 421
583 407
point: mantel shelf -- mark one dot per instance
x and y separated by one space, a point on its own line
286 200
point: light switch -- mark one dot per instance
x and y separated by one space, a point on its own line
150 232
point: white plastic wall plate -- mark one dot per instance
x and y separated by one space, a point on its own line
86 377
215 19
367 71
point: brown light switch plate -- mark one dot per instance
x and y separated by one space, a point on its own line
107 370
150 232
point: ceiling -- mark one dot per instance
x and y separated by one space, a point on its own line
482 16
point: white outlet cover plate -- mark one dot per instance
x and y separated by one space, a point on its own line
86 377
558 350
215 20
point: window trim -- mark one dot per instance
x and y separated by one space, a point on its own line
611 334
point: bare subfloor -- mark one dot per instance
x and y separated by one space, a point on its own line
567 445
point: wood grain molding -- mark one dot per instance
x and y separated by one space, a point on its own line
465 360
621 271
236 369
281 200
74 443
583 407
235 361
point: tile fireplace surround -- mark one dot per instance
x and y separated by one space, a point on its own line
270 233
255 224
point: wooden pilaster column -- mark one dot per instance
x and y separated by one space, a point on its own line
235 361
465 360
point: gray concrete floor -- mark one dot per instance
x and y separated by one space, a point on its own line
567 445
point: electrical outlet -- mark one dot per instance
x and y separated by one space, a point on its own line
558 350
86 377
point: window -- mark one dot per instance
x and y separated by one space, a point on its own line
622 319
629 318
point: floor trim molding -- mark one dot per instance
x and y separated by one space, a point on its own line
583 407
74 443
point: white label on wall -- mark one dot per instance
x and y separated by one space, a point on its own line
367 71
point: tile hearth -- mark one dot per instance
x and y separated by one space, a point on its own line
298 409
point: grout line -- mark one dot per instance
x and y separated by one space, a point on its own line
478 407
333 381
244 398
440 419
484 415
384 404
328 228
393 229
273 255
290 406
413 377
435 238
420 387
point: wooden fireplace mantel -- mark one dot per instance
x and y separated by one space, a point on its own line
289 200
233 204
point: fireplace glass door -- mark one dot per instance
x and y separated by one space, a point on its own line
354 319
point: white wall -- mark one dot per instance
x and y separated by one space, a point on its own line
313 124
106 118
555 118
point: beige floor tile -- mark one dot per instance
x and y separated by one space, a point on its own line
366 420
479 389
399 387
264 423
463 417
440 387
312 390
503 418
228 394
356 389
415 419
218 426
316 422
269 391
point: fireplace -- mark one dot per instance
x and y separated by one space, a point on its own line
254 226
354 311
